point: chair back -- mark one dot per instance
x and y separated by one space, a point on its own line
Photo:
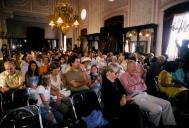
1 105
84 103
15 98
22 117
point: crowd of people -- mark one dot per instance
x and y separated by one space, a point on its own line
128 84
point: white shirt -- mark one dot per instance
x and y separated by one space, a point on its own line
56 83
44 91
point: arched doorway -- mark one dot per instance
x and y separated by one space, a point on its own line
111 38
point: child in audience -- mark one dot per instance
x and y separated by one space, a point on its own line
96 79
49 113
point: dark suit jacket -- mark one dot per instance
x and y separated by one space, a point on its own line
111 95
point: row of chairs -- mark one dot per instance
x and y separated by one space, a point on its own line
17 111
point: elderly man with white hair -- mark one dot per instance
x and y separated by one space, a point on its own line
157 108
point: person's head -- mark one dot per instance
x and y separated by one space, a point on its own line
54 68
111 72
45 80
113 59
131 67
10 67
94 69
46 60
74 62
33 65
161 59
62 60
24 57
141 59
85 61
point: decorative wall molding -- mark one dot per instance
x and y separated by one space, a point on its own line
165 2
169 3
23 5
43 6
107 6
26 10
115 12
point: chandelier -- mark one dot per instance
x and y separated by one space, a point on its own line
63 16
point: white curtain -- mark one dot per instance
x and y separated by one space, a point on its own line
179 32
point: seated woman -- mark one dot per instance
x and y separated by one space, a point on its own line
48 112
58 90
117 105
172 88
32 79
32 76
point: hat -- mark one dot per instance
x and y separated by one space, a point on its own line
85 59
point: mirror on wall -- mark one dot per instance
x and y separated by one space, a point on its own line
140 38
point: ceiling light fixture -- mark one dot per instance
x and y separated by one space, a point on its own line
63 16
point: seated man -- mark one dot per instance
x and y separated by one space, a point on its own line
11 78
10 81
117 104
76 79
135 87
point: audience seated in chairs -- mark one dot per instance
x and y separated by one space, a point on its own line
15 96
77 79
154 69
48 112
59 90
10 78
96 79
32 76
10 81
173 88
156 107
118 107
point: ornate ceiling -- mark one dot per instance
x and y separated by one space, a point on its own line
36 10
